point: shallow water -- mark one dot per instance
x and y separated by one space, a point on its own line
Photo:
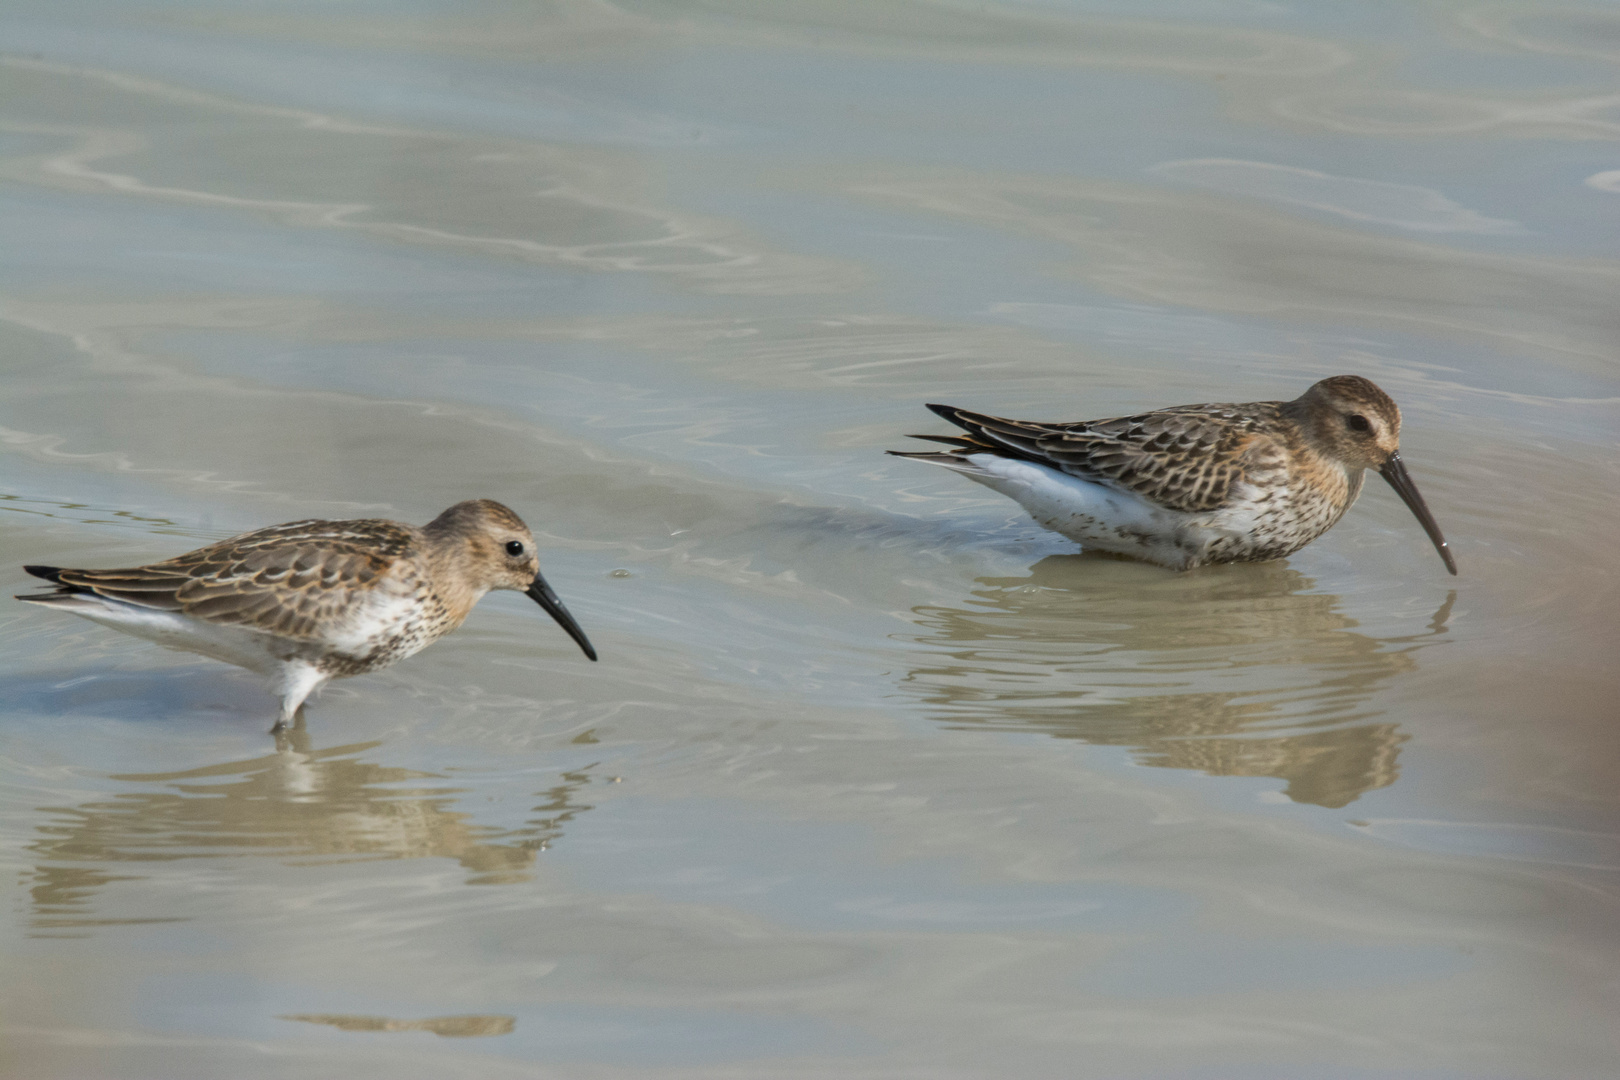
875 778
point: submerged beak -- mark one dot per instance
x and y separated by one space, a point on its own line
1394 470
542 595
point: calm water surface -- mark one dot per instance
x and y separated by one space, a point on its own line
875 778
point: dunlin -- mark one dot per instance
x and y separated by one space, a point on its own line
1195 484
310 601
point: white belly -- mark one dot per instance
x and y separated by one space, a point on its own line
1098 516
250 649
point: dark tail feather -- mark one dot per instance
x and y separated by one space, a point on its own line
989 434
974 442
138 586
960 442
941 457
52 574
979 425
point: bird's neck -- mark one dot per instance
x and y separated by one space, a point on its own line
448 567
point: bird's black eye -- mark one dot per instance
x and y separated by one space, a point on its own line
1360 423
514 548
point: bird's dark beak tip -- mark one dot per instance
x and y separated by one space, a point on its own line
1394 471
541 594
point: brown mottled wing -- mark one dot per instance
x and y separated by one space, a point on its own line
1184 458
287 579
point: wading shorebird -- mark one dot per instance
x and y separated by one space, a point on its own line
310 601
1194 484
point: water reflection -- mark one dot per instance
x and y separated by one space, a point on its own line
1237 672
299 804
1227 254
1001 33
553 203
449 1027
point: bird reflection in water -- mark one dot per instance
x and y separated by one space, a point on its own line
1234 671
300 804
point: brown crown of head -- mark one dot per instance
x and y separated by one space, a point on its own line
1350 419
488 541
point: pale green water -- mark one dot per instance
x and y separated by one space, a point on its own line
858 788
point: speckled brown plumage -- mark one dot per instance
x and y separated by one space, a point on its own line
1185 458
1194 484
309 601
288 580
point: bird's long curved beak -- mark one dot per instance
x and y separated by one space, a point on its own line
541 593
1394 470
